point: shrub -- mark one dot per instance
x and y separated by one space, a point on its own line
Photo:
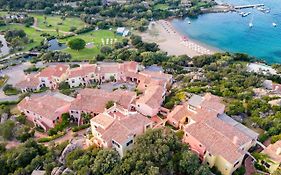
109 104
50 138
78 128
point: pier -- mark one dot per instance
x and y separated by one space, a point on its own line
248 6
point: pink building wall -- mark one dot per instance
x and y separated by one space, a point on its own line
195 145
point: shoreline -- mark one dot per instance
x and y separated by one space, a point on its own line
175 42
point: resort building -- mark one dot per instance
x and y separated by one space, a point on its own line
99 73
150 102
93 101
219 140
30 84
83 75
117 128
53 75
273 161
45 111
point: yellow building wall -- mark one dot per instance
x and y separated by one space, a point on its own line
273 167
221 164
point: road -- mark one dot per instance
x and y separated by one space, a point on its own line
15 74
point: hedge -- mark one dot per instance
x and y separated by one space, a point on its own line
50 138
78 128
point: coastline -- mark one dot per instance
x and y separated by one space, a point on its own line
174 42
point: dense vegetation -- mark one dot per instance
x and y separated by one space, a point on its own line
156 152
17 38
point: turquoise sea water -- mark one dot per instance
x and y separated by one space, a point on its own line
231 32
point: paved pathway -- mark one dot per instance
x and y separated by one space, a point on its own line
15 74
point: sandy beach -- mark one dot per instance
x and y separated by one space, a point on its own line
169 40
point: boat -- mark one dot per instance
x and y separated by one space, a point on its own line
251 24
274 24
189 22
246 14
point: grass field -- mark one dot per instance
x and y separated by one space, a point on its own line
99 38
55 21
31 33
161 7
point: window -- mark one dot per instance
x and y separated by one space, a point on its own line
200 145
27 112
129 143
265 164
236 164
210 155
115 143
147 126
73 81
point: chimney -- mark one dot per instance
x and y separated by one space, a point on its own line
278 151
235 140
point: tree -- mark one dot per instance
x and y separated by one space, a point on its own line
158 151
109 104
106 50
7 129
105 161
77 44
189 163
47 10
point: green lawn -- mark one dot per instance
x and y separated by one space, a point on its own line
161 7
99 38
55 20
31 33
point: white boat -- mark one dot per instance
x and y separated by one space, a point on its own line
251 25
189 22
274 24
251 22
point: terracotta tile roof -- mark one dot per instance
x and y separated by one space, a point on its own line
82 71
219 138
179 112
122 129
202 115
214 142
157 75
212 102
274 151
130 66
30 82
45 106
103 119
108 68
57 71
152 96
95 99
207 102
